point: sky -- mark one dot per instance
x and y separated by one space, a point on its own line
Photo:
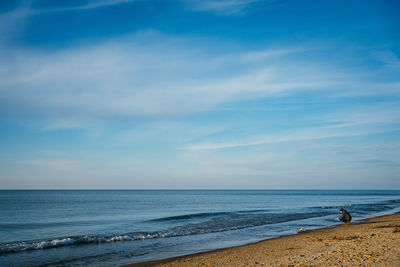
207 94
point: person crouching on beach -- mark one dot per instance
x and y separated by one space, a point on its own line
346 217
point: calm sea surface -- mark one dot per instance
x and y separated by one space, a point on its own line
110 228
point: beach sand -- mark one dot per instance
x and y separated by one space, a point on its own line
373 242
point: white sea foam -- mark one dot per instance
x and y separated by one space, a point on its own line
205 223
119 238
55 243
24 246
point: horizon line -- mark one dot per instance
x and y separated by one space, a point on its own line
192 189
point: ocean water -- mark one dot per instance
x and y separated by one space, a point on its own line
114 227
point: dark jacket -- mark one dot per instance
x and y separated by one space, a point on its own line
346 217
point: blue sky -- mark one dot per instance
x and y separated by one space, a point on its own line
138 94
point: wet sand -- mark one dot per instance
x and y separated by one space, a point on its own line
373 242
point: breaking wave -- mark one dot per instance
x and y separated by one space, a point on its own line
219 222
212 222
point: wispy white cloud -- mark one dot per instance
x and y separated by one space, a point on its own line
145 75
390 59
377 114
283 165
225 7
58 164
166 132
312 133
82 5
343 124
101 3
371 88
12 22
268 54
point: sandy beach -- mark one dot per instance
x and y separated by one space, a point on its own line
373 242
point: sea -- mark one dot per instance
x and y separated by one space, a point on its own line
116 227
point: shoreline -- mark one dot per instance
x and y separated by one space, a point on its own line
374 241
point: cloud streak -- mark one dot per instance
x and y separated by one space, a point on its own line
145 75
83 5
224 7
343 124
313 133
